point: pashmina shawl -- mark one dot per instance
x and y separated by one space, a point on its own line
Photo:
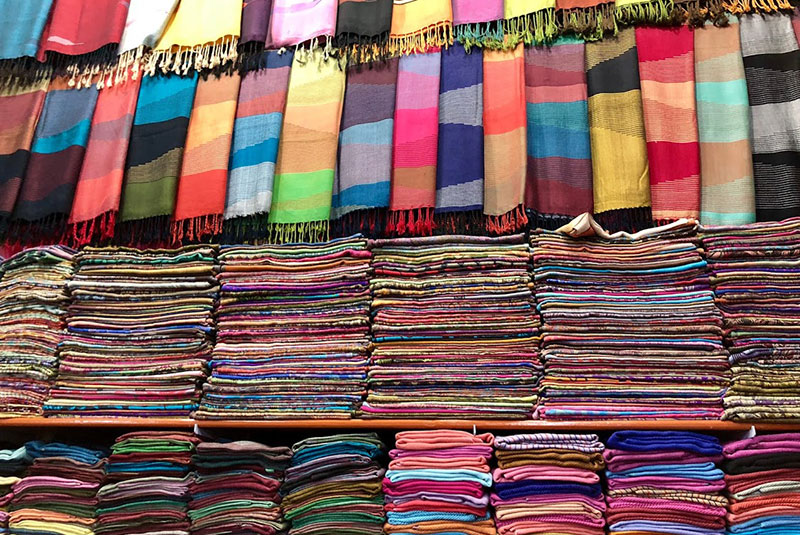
478 22
363 28
301 202
21 27
559 181
589 19
293 22
530 21
723 120
200 201
772 69
255 21
420 25
146 22
666 71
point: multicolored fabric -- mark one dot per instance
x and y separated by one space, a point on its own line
587 18
419 25
295 22
255 21
559 179
146 22
478 22
82 26
363 27
666 71
530 21
21 27
723 121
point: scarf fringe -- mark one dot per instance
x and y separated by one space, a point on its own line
45 231
195 229
181 60
483 35
245 229
508 223
627 219
414 222
538 220
23 72
308 232
470 222
434 36
532 28
590 23
148 232
650 12
738 7
99 230
370 222
359 49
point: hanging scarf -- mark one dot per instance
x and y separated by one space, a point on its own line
147 20
363 29
666 71
155 153
636 12
530 21
504 139
416 127
621 179
419 25
294 22
772 68
21 28
362 187
97 195
478 22
559 181
255 21
459 166
740 7
589 19
200 201
301 203
723 121
256 132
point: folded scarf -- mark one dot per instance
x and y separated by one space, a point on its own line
504 140
530 21
21 28
255 22
301 203
646 441
293 22
419 25
723 121
362 28
666 71
772 67
145 24
478 22
99 188
589 19
363 184
559 178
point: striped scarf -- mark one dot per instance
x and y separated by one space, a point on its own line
294 22
256 132
666 71
772 68
21 27
589 19
301 204
620 175
530 21
363 183
504 139
478 22
419 25
363 29
723 120
559 182
200 201
255 21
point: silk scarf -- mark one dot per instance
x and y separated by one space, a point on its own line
145 24
530 21
255 21
362 28
21 28
295 22
478 22
420 25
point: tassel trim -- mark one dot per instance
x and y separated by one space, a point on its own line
310 232
245 229
434 36
738 7
414 222
148 232
23 72
195 229
359 49
538 220
47 230
590 23
96 231
483 35
181 60
627 219
650 12
532 28
469 222
508 223
370 223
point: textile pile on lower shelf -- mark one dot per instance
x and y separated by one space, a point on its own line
664 482
292 332
630 329
6 495
548 483
33 302
455 329
140 327
334 486
754 276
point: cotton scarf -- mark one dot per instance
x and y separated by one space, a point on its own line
459 166
772 68
478 22
301 203
256 132
97 194
530 21
589 19
504 139
666 72
146 22
620 174
363 184
155 153
21 27
362 28
415 145
559 180
419 25
255 21
200 202
294 22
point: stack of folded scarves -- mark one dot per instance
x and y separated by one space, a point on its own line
236 489
664 482
455 329
293 332
148 484
762 474
630 329
33 302
139 333
6 495
548 483
754 276
12 466
438 484
334 486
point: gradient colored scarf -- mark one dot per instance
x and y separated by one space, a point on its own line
723 121
200 202
478 22
301 202
97 195
772 68
504 139
589 19
296 22
155 153
21 27
420 25
255 21
530 21
621 177
363 184
559 181
459 168
666 71
256 133
416 128
363 28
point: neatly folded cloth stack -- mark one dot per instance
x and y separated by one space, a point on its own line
664 482
334 486
6 495
438 483
548 483
14 462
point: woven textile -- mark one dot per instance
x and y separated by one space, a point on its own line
364 27
146 22
478 22
83 26
21 27
255 21
666 71
587 18
723 121
772 68
419 25
532 22
559 177
295 22
200 200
